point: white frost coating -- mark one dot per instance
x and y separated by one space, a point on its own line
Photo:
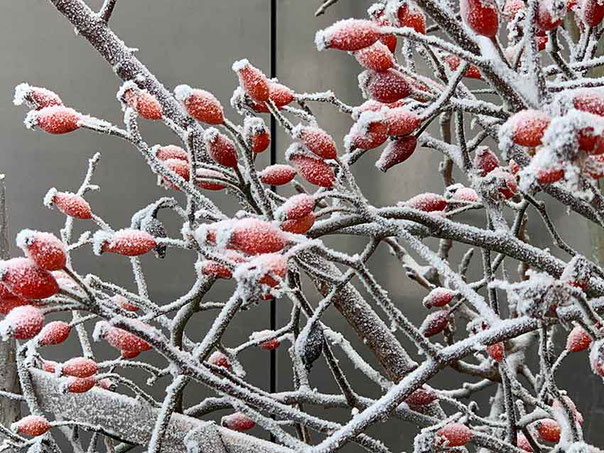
240 64
99 239
361 126
182 92
210 134
21 92
24 238
49 197
126 86
31 119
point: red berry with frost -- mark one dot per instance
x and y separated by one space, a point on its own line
299 226
200 104
550 14
591 101
267 267
296 207
8 303
45 249
106 384
550 175
453 435
507 182
313 169
401 121
79 385
207 184
513 167
316 140
219 270
481 16
427 202
171 152
55 332
376 14
485 161
396 152
32 425
24 278
123 303
280 94
435 323
496 351
70 204
277 175
421 397
56 119
453 62
578 340
124 354
35 97
178 166
523 443
466 194
252 80
590 142
218 359
80 367
267 345
410 15
592 12
127 242
367 106
122 339
528 127
254 237
376 57
387 87
24 322
368 132
349 35
438 297
256 134
513 7
220 148
50 366
238 422
548 430
144 103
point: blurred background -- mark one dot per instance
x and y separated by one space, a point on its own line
196 42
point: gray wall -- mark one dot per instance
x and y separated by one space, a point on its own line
195 42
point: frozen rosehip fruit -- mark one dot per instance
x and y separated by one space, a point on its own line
50 366
220 270
24 322
550 175
496 351
32 425
79 385
453 62
277 175
217 358
299 226
144 103
507 186
397 151
312 168
252 80
55 332
44 249
435 323
178 166
421 397
204 181
127 242
453 435
256 134
267 267
123 303
171 152
438 297
548 430
376 57
296 207
254 237
200 104
220 147
401 121
592 12
368 132
56 119
485 161
122 339
80 367
481 16
23 277
349 35
523 443
550 14
466 194
35 97
316 140
387 87
528 127
591 101
70 204
410 15
427 202
578 340
238 422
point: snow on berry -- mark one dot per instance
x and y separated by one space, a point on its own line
263 269
123 303
50 366
349 35
591 101
453 435
435 323
219 270
481 16
548 430
523 443
220 147
238 422
24 278
496 351
70 204
252 80
121 339
368 132
578 340
79 367
453 62
527 127
35 97
299 226
316 140
127 242
438 297
45 249
218 359
550 14
56 119
485 161
253 237
550 176
401 121
387 86
504 182
178 166
22 323
592 12
55 332
79 385
396 152
10 301
368 106
427 202
256 134
200 104
208 185
421 397
376 57
465 194
143 102
277 175
32 425
296 207
513 7
410 15
266 343
171 152
313 169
